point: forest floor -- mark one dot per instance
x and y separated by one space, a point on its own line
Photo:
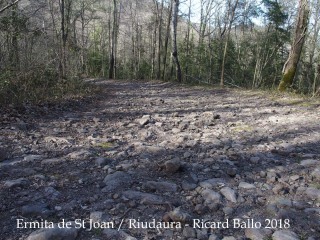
179 159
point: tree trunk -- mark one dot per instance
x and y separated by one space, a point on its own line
175 9
154 41
231 13
166 42
82 58
113 41
290 67
116 28
14 48
65 11
224 61
188 42
9 6
313 68
159 40
159 16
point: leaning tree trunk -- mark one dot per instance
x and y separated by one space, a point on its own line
290 67
175 9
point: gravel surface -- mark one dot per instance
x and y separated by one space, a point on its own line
153 160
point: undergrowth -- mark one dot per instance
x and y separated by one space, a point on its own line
40 85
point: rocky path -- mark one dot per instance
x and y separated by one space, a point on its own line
160 161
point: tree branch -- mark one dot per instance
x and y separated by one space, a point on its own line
9 6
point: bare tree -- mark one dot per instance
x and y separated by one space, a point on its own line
290 67
175 10
9 6
315 5
188 41
14 48
166 42
160 39
231 16
65 11
158 22
113 42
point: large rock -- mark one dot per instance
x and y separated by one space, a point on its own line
229 238
313 193
99 217
52 161
202 234
178 215
284 235
188 186
116 180
101 161
189 232
272 176
16 183
31 158
144 198
81 154
36 209
281 202
144 120
255 160
213 237
257 234
309 163
161 186
51 193
111 234
54 233
229 194
211 196
245 185
173 165
3 154
316 174
213 182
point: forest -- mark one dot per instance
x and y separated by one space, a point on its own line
48 46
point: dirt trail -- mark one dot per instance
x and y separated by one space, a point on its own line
162 161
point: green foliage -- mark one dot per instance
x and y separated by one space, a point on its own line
123 71
144 70
95 63
274 13
247 10
203 62
96 59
